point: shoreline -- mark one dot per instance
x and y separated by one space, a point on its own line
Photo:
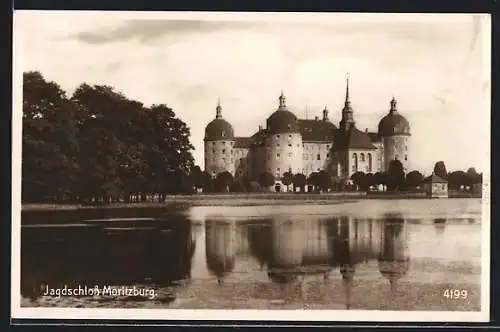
176 202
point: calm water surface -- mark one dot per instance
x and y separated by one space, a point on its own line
370 254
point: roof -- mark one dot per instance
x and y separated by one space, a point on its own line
259 137
243 142
282 121
434 179
316 130
374 137
393 124
353 139
219 129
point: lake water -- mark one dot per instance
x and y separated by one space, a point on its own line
369 254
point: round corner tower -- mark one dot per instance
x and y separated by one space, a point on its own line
284 142
219 144
394 130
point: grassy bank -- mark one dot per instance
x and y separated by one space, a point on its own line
179 202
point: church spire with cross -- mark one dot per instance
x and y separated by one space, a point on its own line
347 113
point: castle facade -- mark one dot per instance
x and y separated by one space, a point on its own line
290 144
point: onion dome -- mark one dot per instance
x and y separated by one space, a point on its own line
218 128
282 120
393 123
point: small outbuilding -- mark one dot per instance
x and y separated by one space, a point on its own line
435 186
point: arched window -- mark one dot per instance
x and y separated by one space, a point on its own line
369 162
355 162
362 157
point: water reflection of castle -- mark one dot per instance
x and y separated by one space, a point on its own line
292 250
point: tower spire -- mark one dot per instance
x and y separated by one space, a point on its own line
347 99
282 100
325 114
394 105
218 113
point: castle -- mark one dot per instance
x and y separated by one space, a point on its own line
290 144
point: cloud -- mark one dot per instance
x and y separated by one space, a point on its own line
148 30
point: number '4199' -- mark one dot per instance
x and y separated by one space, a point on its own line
454 294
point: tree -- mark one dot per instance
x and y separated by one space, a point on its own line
208 183
287 179
380 178
473 177
324 180
314 180
457 179
359 180
197 177
440 170
395 175
414 179
224 180
50 147
266 179
299 181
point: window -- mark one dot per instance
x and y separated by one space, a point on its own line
277 144
289 126
231 143
223 150
370 162
277 155
213 172
362 156
406 158
289 154
213 150
289 136
303 145
318 157
223 142
223 160
278 169
328 155
306 157
355 162
277 136
290 144
223 133
328 146
396 157
213 143
231 152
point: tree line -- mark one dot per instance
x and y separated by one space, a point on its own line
394 179
99 146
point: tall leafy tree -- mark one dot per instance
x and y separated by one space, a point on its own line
49 165
395 175
440 170
414 179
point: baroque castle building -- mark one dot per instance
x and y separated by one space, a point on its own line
290 144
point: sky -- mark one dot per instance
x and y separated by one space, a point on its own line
437 66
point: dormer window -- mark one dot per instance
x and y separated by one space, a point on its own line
223 133
289 126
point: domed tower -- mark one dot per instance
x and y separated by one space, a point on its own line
394 130
219 142
284 142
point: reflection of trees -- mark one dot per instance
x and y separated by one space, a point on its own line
220 244
394 258
259 238
108 253
440 225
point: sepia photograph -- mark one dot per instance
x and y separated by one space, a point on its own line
251 166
